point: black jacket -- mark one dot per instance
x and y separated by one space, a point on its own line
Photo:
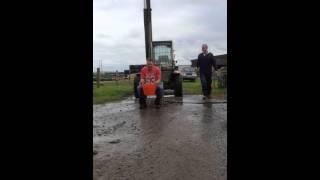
206 62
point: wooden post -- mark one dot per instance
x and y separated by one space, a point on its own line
214 82
129 76
98 77
117 77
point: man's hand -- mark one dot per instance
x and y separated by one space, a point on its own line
216 73
142 82
158 82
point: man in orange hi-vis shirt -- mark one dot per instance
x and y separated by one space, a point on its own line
150 74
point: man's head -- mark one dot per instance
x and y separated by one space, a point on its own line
149 62
204 48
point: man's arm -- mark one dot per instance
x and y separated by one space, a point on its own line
142 76
214 63
158 74
198 64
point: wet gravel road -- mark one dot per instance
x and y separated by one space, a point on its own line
184 139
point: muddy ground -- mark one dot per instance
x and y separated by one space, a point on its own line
184 139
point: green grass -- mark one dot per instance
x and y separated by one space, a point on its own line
195 88
111 91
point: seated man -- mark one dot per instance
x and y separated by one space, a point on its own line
150 74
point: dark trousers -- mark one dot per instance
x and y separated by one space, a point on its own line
206 80
142 97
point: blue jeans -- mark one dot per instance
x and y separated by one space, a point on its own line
142 97
206 80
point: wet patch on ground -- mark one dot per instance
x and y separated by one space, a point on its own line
184 139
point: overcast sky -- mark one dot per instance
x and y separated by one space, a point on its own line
118 30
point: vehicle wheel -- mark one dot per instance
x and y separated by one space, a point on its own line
135 86
178 86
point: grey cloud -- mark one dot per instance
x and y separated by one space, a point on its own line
101 36
189 23
135 34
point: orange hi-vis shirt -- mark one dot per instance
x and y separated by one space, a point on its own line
150 75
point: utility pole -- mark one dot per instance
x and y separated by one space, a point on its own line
147 28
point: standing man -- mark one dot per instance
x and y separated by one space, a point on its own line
150 74
205 62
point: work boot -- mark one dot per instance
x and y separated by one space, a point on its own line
157 103
204 98
143 106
